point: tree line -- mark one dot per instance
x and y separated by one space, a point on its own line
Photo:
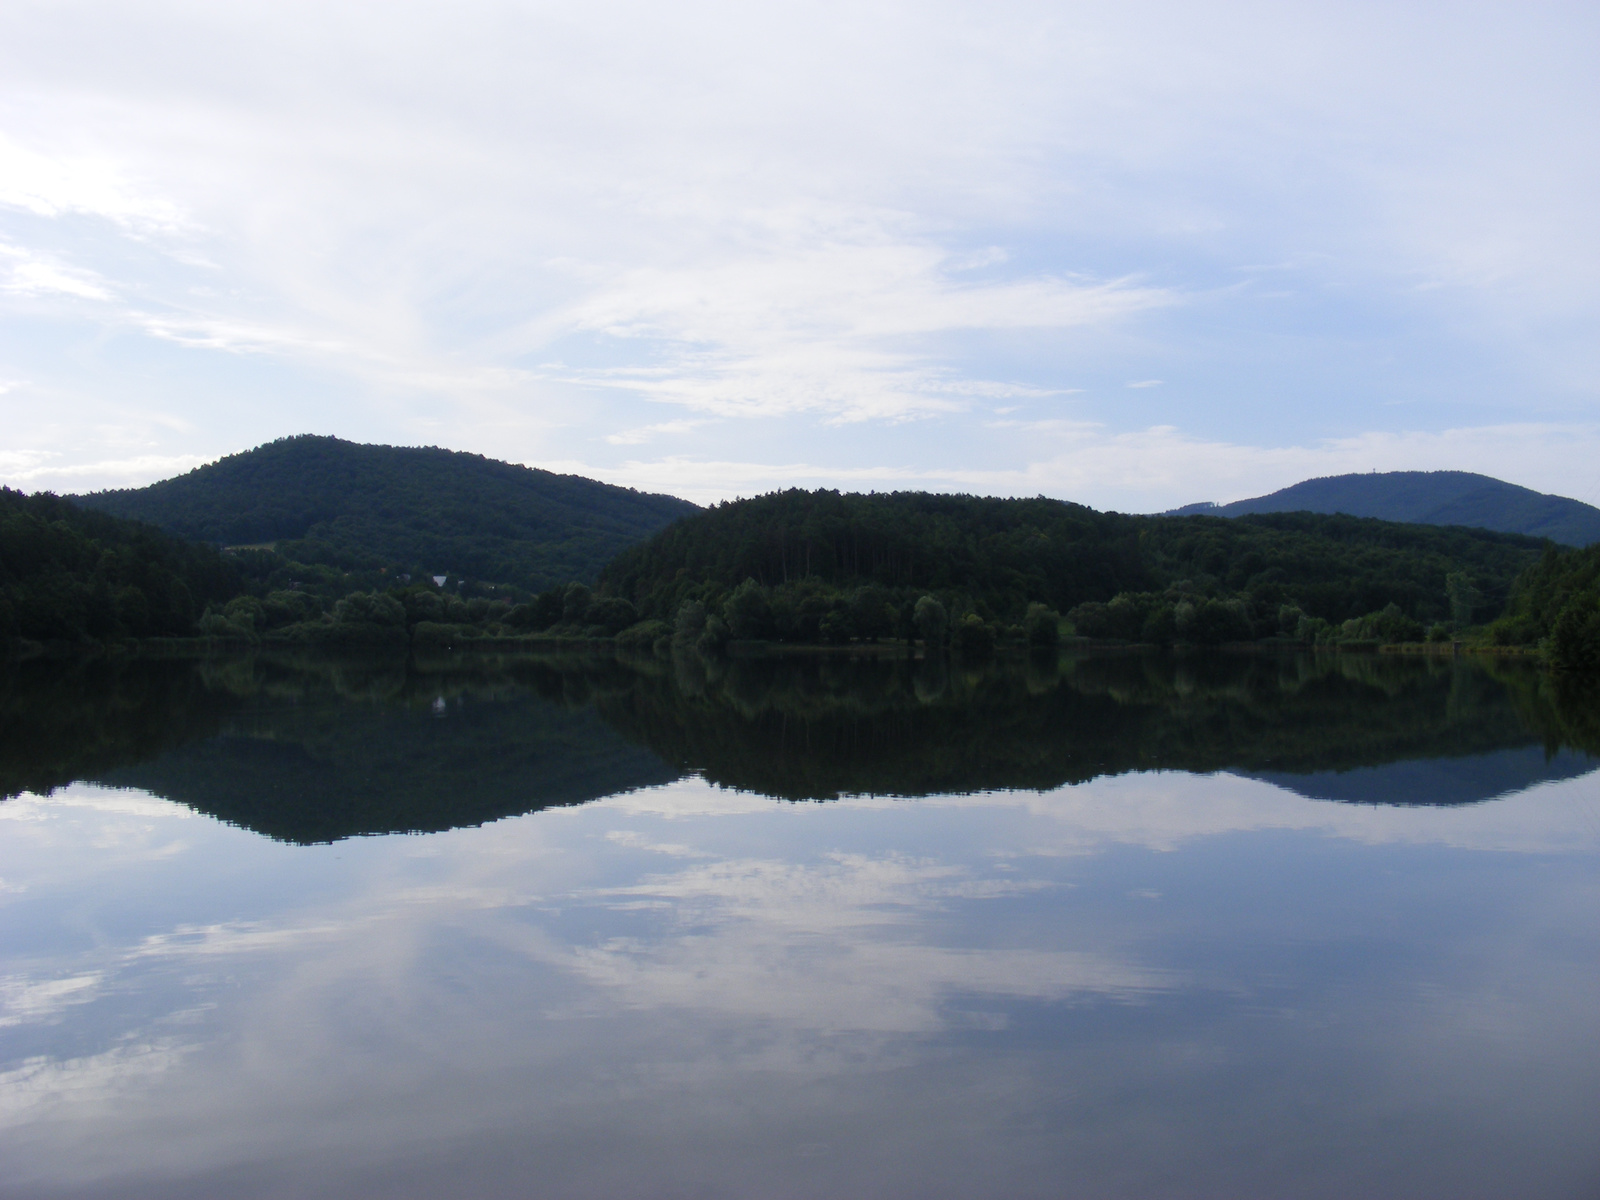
833 567
829 567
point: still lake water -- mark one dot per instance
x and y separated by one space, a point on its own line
1114 926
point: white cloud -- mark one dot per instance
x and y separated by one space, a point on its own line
35 470
55 183
1150 469
847 330
30 274
810 217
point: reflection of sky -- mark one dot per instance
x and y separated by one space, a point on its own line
1151 985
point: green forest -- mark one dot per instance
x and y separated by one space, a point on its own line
71 574
1556 603
835 568
825 566
318 509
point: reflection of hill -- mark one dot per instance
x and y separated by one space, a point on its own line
810 728
325 749
1464 780
63 720
321 747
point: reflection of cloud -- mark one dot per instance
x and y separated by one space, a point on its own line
832 946
28 806
1162 810
30 1001
541 982
39 1085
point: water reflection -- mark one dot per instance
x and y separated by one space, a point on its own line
314 749
1099 965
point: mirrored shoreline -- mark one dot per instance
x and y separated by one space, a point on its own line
317 747
1116 926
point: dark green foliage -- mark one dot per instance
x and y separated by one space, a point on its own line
972 637
613 615
1042 625
1556 602
1429 498
932 621
1575 640
646 635
747 612
575 601
344 507
76 575
689 624
823 566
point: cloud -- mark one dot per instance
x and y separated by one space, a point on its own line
646 433
36 470
56 183
29 274
868 219
1150 469
846 329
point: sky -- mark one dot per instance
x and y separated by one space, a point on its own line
1129 254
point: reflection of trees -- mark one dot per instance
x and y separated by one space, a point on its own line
65 719
312 746
807 727
317 747
1563 709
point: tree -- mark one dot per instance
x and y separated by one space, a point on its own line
973 637
1464 597
1042 625
575 602
932 621
747 612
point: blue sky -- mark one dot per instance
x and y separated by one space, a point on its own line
1133 254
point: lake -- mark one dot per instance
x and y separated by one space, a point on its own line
1096 925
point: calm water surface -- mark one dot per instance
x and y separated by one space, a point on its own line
1128 926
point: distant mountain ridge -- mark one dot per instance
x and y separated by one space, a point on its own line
1427 498
421 509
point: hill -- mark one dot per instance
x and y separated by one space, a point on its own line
1427 498
67 574
831 566
418 510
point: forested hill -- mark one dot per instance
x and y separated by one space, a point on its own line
840 565
71 575
1428 498
425 511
